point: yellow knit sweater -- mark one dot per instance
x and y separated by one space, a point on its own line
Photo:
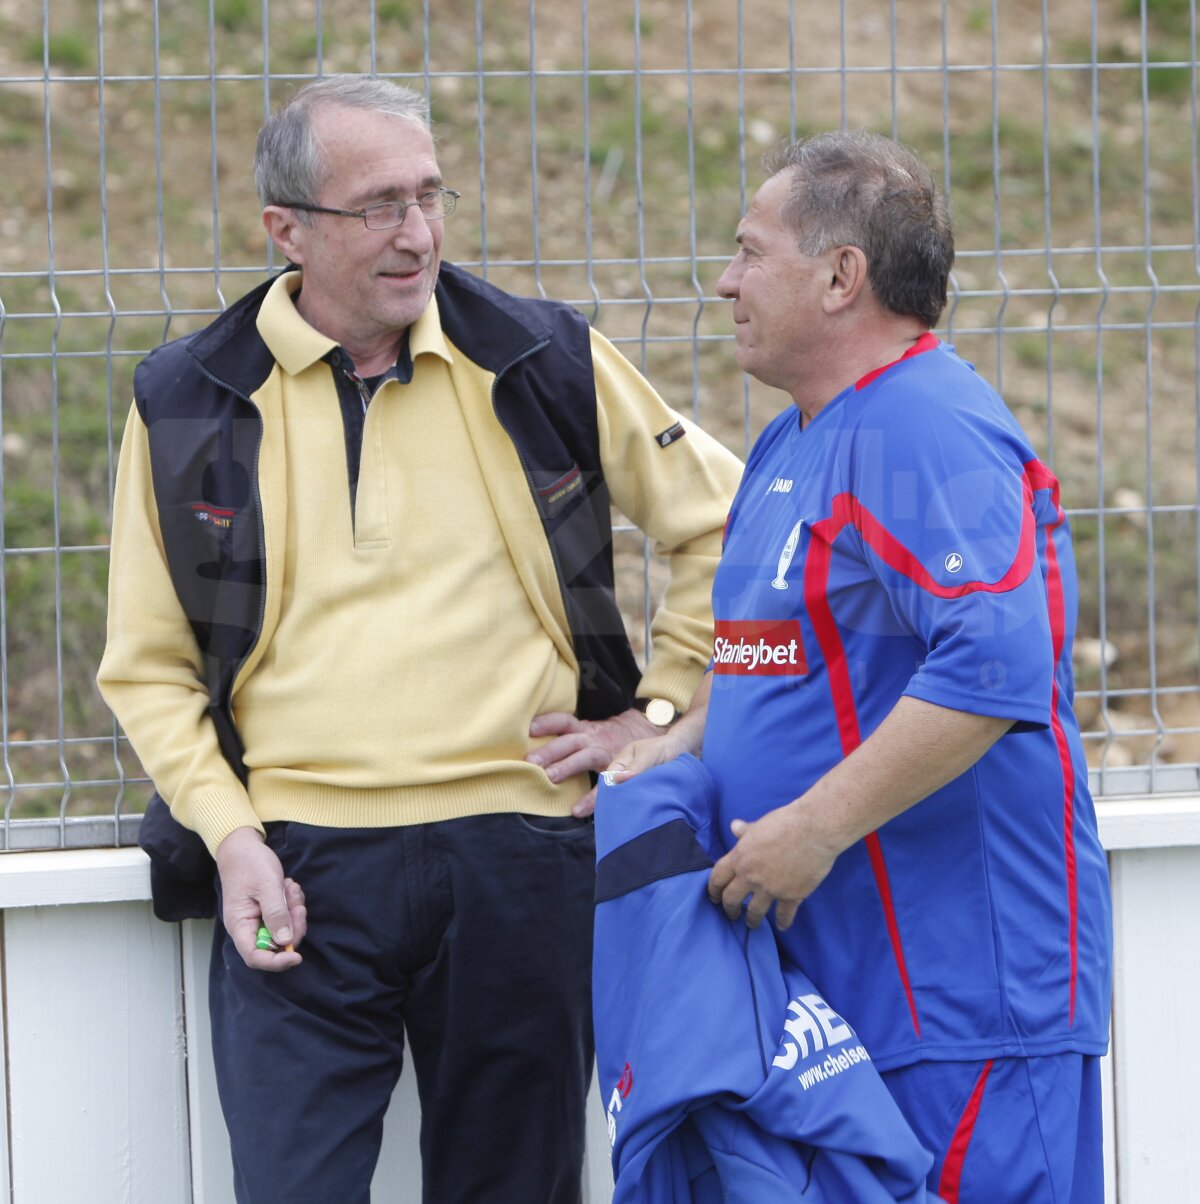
406 644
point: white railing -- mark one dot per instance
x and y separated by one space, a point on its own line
111 1100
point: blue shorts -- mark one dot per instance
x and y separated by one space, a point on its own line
1019 1130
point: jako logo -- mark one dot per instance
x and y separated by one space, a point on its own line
780 485
759 648
812 1018
620 1093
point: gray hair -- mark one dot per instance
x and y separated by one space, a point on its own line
860 189
288 163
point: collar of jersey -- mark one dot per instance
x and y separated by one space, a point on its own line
927 342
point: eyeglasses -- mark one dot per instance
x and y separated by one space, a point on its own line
433 205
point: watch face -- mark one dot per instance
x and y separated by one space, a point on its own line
660 712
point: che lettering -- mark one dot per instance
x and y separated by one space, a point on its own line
812 1019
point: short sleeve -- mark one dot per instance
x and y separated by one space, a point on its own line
948 526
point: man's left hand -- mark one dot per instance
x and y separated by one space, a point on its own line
584 746
779 859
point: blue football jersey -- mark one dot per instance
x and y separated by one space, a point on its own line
909 542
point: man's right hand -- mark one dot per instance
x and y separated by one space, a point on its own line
641 755
685 735
255 892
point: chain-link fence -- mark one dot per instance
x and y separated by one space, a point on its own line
605 153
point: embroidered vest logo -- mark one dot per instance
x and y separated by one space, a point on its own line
554 496
204 513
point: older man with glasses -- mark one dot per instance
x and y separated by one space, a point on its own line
363 636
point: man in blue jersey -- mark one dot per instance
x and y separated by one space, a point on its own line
888 717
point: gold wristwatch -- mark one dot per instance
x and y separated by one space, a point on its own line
660 711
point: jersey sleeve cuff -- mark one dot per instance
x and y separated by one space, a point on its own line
1026 715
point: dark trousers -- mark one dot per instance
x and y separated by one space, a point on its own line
472 938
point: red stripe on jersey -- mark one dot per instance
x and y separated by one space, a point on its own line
884 886
848 511
1040 477
820 613
956 1154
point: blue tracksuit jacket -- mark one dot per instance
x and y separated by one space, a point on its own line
725 1074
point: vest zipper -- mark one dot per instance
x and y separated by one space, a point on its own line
562 583
226 702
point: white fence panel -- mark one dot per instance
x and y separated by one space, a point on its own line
110 1090
212 1178
96 1072
1156 1041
